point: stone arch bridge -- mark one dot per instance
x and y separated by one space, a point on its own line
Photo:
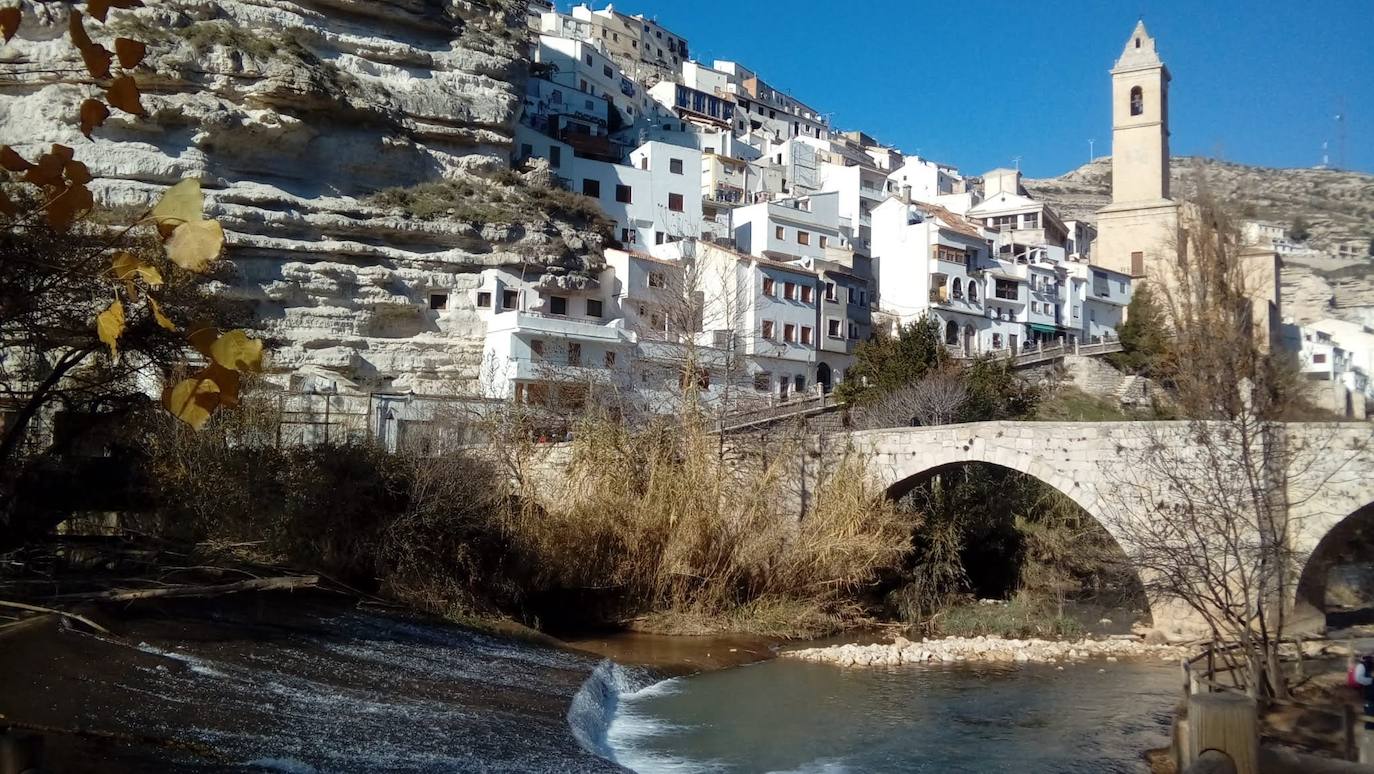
1121 473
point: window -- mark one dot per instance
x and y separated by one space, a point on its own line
483 299
558 304
1007 290
526 150
675 202
958 289
996 341
762 380
803 237
537 348
806 334
606 70
594 308
555 156
800 382
1030 220
1138 264
591 188
789 291
627 236
768 329
1137 101
830 290
675 166
658 237
1318 357
1035 308
657 280
789 332
509 298
863 298
768 289
832 329
972 291
779 232
1092 315
574 353
853 330
1075 312
623 194
806 294
438 301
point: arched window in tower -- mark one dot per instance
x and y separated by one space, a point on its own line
1137 101
1137 42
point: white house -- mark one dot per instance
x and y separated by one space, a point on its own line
1097 301
788 229
653 199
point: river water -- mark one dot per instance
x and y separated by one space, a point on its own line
310 685
793 716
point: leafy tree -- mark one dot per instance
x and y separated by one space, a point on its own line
90 308
996 392
886 362
1301 230
1144 336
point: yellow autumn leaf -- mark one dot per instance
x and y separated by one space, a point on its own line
192 400
162 319
235 351
227 381
127 266
10 19
194 245
202 338
182 203
124 94
109 325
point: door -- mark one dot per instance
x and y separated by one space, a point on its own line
1012 340
823 377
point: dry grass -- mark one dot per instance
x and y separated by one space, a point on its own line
695 540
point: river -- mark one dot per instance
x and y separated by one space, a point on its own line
792 716
316 686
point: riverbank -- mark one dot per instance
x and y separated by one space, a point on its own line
988 649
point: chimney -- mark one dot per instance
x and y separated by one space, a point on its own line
906 194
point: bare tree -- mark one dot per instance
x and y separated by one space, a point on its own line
1208 509
934 400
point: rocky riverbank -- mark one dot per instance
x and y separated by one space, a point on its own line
988 650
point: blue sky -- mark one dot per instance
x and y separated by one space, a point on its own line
977 83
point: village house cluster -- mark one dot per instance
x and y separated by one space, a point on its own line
759 236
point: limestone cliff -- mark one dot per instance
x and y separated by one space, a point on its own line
294 113
1337 205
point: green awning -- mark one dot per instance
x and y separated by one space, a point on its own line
1039 328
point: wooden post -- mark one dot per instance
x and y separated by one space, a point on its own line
1348 724
1228 723
20 752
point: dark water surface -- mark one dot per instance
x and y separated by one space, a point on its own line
793 716
290 685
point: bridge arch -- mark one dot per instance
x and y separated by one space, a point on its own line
903 459
1334 544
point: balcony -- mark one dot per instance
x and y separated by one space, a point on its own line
557 325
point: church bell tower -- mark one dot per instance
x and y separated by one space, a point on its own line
1140 122
1138 231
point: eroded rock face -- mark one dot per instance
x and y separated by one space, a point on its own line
292 113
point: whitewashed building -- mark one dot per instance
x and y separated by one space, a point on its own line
655 198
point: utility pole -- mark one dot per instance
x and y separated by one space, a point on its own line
1091 155
1017 161
1340 132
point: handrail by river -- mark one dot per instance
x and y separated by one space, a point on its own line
1193 682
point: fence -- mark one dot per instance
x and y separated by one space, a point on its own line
1207 681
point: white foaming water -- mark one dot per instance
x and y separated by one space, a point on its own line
196 665
604 720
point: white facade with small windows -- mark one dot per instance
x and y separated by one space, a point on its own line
787 229
579 65
653 199
1099 297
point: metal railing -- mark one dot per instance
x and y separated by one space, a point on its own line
1030 357
800 406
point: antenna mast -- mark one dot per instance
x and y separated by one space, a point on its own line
1340 132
